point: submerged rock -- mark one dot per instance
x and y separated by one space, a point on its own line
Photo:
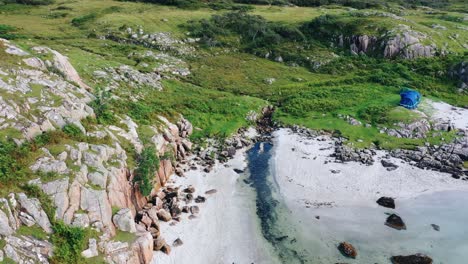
436 227
394 221
411 259
347 249
386 202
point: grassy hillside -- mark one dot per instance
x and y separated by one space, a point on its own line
231 78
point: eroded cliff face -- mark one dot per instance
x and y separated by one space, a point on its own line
94 182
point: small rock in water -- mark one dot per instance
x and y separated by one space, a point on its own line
335 171
212 191
411 259
238 171
347 249
317 217
394 221
436 227
177 242
386 202
200 199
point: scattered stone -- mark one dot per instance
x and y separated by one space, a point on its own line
335 171
192 217
177 242
194 209
386 202
189 189
436 227
159 243
164 215
212 191
394 221
317 217
389 165
347 250
166 249
411 259
200 199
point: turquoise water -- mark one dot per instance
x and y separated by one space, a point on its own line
298 237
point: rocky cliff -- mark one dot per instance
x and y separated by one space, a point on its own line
93 185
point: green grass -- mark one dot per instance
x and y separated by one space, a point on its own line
34 231
124 236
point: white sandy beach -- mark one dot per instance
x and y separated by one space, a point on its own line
345 204
303 176
440 110
226 230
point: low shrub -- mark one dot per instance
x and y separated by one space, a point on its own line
68 242
82 20
148 165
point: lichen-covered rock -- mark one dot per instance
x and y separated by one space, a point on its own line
92 250
32 207
26 249
99 210
124 220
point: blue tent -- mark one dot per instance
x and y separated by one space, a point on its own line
410 99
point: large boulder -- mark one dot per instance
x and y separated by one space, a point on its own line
124 220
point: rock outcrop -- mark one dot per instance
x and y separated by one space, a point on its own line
400 42
460 73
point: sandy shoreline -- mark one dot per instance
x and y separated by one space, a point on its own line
303 166
227 229
347 211
308 184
